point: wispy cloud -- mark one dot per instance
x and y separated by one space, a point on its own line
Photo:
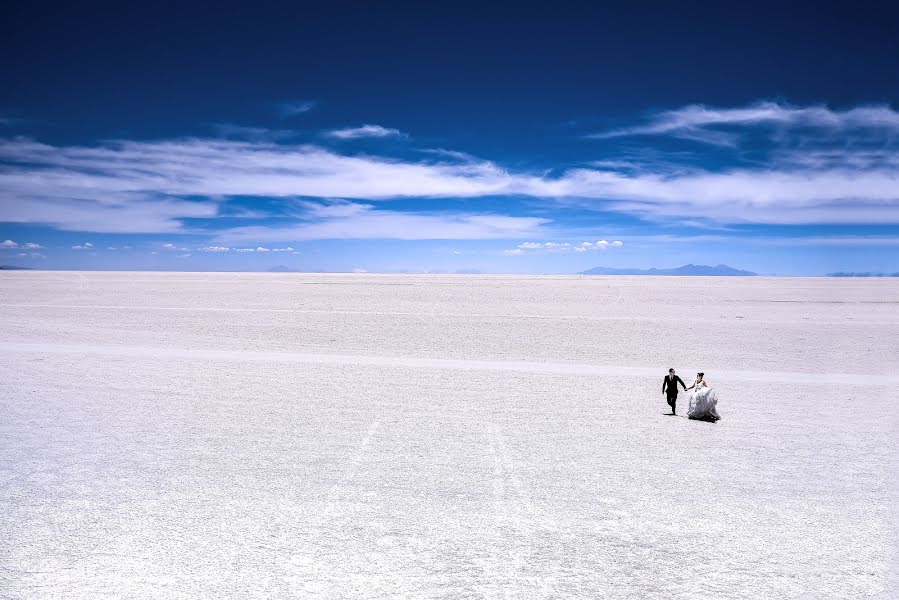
451 154
703 123
264 250
170 247
771 196
131 187
844 241
242 132
294 107
345 220
849 175
84 246
365 131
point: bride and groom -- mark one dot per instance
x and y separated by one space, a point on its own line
703 401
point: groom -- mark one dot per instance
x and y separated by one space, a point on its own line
669 388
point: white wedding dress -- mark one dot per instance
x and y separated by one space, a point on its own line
703 403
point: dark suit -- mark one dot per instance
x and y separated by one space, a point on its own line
669 388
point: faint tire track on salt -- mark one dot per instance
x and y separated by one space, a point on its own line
514 508
303 576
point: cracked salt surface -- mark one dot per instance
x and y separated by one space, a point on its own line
296 446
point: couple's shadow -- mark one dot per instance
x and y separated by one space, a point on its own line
703 419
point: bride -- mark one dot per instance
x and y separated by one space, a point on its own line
702 401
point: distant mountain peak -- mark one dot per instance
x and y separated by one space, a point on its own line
721 270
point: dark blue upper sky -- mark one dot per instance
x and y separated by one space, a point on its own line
448 136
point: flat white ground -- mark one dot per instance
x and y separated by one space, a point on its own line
369 436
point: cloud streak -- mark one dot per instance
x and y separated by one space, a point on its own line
847 175
345 220
294 107
365 131
697 121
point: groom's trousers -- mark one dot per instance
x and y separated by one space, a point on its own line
672 400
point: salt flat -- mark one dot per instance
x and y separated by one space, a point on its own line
185 435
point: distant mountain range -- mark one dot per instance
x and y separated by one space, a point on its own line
13 268
862 274
697 270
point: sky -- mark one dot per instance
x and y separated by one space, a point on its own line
449 137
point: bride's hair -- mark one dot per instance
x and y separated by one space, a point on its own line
700 374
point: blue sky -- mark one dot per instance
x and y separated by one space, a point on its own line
500 138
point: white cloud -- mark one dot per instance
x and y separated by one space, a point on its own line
186 255
169 246
128 214
867 241
452 154
84 246
295 107
363 221
214 249
555 247
134 187
263 250
699 120
8 244
242 132
365 131
140 186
